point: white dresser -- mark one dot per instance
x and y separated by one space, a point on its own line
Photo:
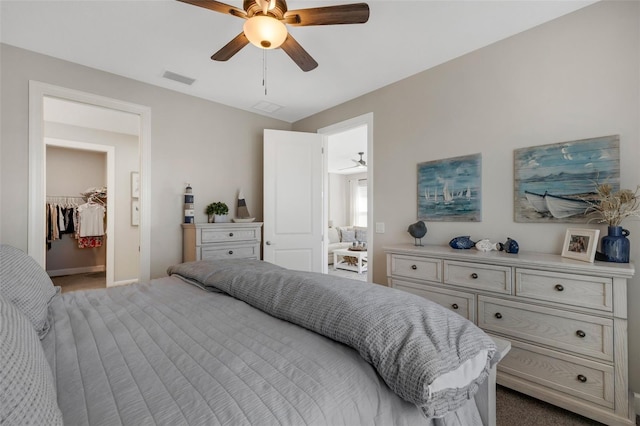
221 241
566 320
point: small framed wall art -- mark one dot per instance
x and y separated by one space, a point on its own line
450 189
580 244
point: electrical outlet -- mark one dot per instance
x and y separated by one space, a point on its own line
379 227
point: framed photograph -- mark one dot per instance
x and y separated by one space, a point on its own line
135 212
449 190
580 244
135 185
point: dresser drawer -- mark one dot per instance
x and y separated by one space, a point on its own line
456 301
579 333
567 289
208 236
230 251
584 379
478 276
421 268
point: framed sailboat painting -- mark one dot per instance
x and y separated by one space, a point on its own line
556 182
449 190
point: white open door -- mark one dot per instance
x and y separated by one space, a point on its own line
293 209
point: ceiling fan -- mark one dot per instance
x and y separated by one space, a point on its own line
265 25
359 163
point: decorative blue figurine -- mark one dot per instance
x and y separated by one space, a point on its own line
461 243
510 246
417 231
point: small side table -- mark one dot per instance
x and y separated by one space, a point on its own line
360 265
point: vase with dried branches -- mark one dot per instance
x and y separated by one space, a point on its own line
612 207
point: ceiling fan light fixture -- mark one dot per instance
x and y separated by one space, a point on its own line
265 31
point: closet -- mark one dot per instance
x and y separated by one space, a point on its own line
76 200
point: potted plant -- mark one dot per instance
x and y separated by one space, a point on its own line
217 212
612 207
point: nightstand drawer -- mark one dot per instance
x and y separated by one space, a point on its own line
567 289
478 276
456 301
421 268
578 333
587 380
230 251
209 236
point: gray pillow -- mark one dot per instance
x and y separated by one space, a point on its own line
348 236
361 235
27 391
25 284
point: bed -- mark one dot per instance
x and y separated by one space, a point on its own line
236 343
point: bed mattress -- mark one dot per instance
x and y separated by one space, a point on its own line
170 353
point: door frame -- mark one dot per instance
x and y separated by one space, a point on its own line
36 241
366 120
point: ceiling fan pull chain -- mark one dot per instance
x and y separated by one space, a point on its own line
264 70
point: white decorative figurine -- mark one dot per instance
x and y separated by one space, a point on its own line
486 245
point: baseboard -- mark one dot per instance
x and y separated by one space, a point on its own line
74 271
636 402
123 282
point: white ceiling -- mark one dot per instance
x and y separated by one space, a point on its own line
91 116
143 39
343 148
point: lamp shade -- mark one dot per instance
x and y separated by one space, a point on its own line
265 32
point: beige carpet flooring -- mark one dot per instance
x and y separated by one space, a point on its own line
512 408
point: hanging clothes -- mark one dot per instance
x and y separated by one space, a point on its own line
91 219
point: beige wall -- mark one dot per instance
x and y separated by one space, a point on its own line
572 78
216 148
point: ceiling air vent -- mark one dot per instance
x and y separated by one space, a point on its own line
179 78
268 107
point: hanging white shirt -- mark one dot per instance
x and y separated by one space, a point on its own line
91 217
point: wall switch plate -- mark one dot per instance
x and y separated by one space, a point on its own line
379 227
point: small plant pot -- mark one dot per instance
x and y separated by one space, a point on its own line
221 218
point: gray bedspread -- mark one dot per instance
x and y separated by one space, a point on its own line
169 353
428 355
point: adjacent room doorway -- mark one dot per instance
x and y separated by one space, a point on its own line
38 94
355 135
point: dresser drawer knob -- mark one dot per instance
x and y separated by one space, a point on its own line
582 378
454 306
559 287
230 251
231 234
581 333
498 315
414 267
474 276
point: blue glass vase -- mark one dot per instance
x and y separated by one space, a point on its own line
615 245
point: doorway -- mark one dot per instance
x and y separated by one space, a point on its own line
77 174
348 184
40 135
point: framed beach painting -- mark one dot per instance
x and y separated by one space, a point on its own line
450 189
554 183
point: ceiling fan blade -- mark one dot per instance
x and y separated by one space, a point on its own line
216 6
357 13
298 54
231 48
